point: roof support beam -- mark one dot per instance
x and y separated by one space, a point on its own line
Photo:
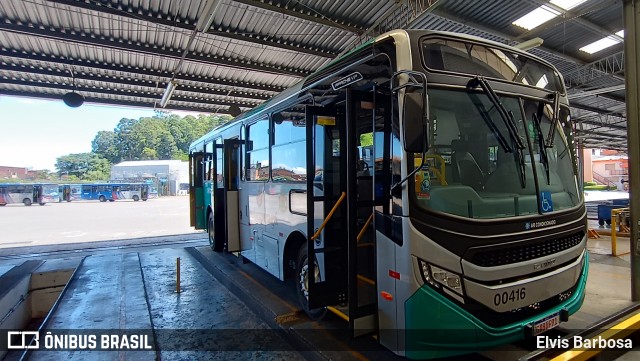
568 15
134 75
172 21
150 104
150 85
596 110
133 94
596 92
148 49
306 15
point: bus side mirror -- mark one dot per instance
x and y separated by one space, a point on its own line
415 122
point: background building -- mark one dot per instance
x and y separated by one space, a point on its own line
606 167
167 175
17 173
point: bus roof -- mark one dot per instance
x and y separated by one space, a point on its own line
300 85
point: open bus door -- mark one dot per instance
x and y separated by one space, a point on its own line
196 190
344 249
226 229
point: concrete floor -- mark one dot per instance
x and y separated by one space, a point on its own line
227 310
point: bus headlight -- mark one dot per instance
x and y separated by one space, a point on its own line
438 277
449 279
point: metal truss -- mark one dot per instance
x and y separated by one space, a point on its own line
401 14
176 22
610 66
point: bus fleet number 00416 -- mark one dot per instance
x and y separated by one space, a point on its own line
502 298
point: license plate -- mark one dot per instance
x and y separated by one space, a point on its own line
546 323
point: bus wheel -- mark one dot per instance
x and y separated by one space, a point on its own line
302 284
27 202
216 246
102 199
136 198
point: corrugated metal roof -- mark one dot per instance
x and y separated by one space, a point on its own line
125 52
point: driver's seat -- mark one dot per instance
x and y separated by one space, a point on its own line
468 171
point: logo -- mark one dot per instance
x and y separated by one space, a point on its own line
349 79
534 225
545 264
20 340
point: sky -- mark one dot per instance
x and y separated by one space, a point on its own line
35 132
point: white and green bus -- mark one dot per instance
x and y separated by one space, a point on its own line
433 179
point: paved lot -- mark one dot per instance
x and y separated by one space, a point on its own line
75 222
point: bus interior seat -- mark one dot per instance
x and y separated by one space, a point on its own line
468 171
446 132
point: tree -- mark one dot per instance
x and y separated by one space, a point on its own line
86 166
104 144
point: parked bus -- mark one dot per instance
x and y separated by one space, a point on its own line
27 193
48 193
70 192
153 192
100 191
134 191
465 229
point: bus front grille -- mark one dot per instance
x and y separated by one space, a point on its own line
524 251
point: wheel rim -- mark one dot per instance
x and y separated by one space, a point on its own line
211 233
304 278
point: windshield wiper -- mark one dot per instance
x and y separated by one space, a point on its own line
554 120
484 113
506 116
544 159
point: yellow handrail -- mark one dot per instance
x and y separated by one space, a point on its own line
364 228
326 220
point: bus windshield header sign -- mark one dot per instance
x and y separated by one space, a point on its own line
349 79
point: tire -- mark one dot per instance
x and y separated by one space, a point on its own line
144 200
27 202
301 282
102 199
136 198
112 200
216 245
42 204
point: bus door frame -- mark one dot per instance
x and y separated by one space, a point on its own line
196 196
362 318
331 289
226 213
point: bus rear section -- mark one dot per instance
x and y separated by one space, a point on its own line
16 193
46 193
70 192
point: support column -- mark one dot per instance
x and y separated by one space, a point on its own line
632 82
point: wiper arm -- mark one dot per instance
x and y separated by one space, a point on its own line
554 120
489 122
544 159
507 117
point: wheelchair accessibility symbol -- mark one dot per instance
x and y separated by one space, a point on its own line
546 204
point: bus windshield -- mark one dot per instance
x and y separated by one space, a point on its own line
480 59
477 168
